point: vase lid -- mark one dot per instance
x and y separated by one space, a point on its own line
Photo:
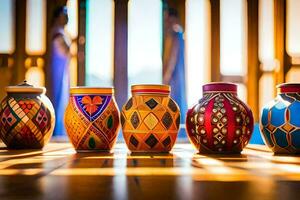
151 89
91 90
24 87
220 87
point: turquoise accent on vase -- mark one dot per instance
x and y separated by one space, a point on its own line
280 121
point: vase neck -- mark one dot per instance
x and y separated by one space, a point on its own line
288 88
220 87
161 90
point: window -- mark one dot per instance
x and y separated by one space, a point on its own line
35 41
144 41
7 44
233 43
72 29
266 51
99 42
197 40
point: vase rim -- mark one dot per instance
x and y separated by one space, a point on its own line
219 87
91 90
151 89
288 88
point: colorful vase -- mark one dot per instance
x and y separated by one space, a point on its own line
220 122
280 121
27 117
92 119
150 119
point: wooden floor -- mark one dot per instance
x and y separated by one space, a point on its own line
58 172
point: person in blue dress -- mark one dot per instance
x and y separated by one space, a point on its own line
59 67
174 68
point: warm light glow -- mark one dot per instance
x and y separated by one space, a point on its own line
99 42
7 23
73 72
266 90
242 92
293 75
35 76
36 27
293 28
197 40
266 35
144 41
72 26
233 37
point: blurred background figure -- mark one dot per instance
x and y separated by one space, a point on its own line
59 67
173 68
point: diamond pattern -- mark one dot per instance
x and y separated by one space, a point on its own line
178 121
135 121
151 141
172 105
134 141
151 121
219 136
167 120
122 119
151 103
167 141
288 127
128 104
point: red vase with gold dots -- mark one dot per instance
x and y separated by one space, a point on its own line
220 122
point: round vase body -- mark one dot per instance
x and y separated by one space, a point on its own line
280 121
27 117
150 119
92 119
220 122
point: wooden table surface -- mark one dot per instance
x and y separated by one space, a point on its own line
58 172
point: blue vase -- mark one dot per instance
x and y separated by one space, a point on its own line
280 120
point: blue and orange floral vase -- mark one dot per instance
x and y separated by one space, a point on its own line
280 120
92 119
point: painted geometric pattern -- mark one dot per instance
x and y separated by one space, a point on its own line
280 123
150 123
92 124
219 123
25 123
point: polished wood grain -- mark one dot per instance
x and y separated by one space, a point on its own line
58 172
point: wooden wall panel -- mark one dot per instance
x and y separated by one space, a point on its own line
253 61
215 40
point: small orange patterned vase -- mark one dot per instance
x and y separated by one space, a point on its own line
27 117
92 119
150 119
